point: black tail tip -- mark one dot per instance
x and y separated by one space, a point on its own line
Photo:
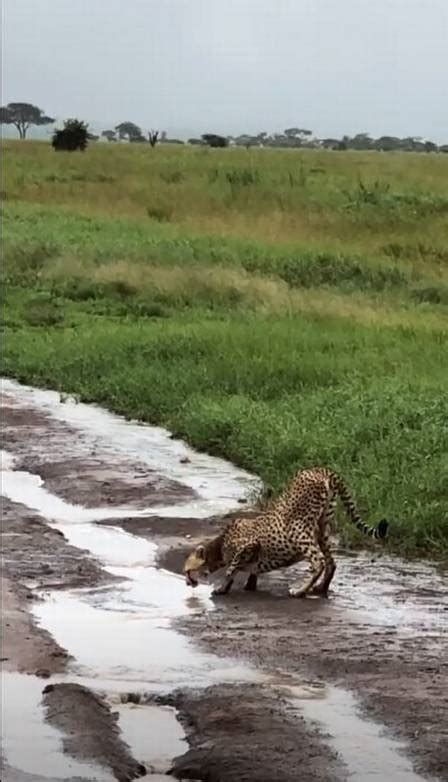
382 528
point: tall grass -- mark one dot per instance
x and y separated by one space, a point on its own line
279 308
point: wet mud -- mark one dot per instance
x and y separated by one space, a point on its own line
90 729
25 646
39 556
239 733
147 674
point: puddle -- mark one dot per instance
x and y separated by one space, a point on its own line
401 596
219 484
153 733
125 622
29 743
368 753
121 632
27 488
114 637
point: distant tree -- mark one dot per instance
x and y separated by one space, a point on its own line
73 136
213 140
343 144
110 135
295 137
153 137
129 131
262 138
301 138
245 140
196 142
281 140
412 144
330 143
295 132
387 143
361 141
22 116
175 141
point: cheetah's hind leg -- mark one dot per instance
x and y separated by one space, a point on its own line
324 528
323 586
317 567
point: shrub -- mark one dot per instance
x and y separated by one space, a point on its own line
73 136
213 140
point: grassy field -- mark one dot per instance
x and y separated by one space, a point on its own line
279 308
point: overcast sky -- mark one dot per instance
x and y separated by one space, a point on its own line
232 66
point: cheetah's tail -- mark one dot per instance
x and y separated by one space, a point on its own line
379 532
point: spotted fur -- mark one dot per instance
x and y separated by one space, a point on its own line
296 526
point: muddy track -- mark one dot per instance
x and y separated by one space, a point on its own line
263 686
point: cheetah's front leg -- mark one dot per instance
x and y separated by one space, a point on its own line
251 583
242 558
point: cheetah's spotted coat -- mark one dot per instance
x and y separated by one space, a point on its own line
296 526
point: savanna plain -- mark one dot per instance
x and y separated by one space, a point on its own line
280 308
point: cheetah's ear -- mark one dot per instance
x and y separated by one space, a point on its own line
200 551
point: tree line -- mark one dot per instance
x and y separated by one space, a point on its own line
75 135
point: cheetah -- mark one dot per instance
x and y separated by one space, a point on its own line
296 526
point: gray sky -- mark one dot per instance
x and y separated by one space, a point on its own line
334 66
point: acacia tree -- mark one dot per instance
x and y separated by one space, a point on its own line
22 116
294 132
129 131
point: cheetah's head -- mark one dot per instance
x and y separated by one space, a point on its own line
205 559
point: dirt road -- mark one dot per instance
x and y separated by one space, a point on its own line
114 669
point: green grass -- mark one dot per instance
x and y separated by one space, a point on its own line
279 308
